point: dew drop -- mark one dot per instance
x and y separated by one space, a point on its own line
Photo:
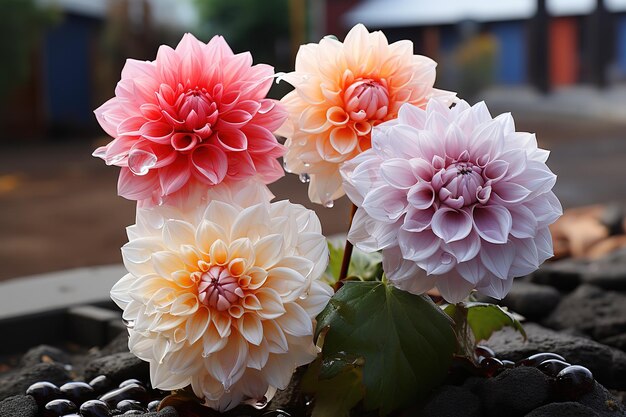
259 404
305 178
306 165
329 204
286 167
129 323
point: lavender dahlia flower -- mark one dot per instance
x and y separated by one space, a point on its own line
455 199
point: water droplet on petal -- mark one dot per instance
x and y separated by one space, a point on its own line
140 161
306 165
259 404
286 167
329 204
129 323
305 178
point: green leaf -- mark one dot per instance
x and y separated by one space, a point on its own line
334 396
484 319
407 342
365 266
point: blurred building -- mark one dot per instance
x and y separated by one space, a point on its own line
584 40
76 61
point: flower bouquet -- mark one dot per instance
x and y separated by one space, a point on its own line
229 292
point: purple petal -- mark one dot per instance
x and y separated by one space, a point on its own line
421 195
466 249
498 258
418 246
398 173
453 287
417 220
451 225
493 223
524 222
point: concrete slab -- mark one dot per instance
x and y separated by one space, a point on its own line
58 290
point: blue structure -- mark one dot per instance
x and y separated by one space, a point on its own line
511 62
67 72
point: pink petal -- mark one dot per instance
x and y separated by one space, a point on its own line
417 220
421 195
135 187
398 173
453 287
175 175
385 203
232 140
510 192
418 246
451 225
498 259
494 287
524 222
526 257
158 132
465 249
472 271
210 163
493 223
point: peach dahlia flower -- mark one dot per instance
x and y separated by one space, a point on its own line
341 91
196 114
222 296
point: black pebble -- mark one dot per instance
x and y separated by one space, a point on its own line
101 384
128 392
56 408
95 408
573 382
77 391
43 392
127 405
552 367
130 381
536 359
153 405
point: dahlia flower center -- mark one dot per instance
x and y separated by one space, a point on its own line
218 289
461 182
367 99
198 105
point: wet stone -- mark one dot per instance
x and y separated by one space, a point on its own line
591 310
516 391
19 406
17 383
44 353
564 275
449 399
118 367
566 409
532 300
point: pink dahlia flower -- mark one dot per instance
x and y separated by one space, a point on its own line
341 91
222 295
197 113
455 199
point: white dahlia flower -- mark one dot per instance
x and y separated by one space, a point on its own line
222 295
455 199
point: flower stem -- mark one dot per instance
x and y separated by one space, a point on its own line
347 253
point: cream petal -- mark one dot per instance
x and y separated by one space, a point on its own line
212 341
177 233
288 283
249 325
295 321
197 324
269 250
272 305
166 263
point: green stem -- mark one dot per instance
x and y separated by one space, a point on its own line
347 253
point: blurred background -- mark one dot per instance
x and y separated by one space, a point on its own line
558 65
